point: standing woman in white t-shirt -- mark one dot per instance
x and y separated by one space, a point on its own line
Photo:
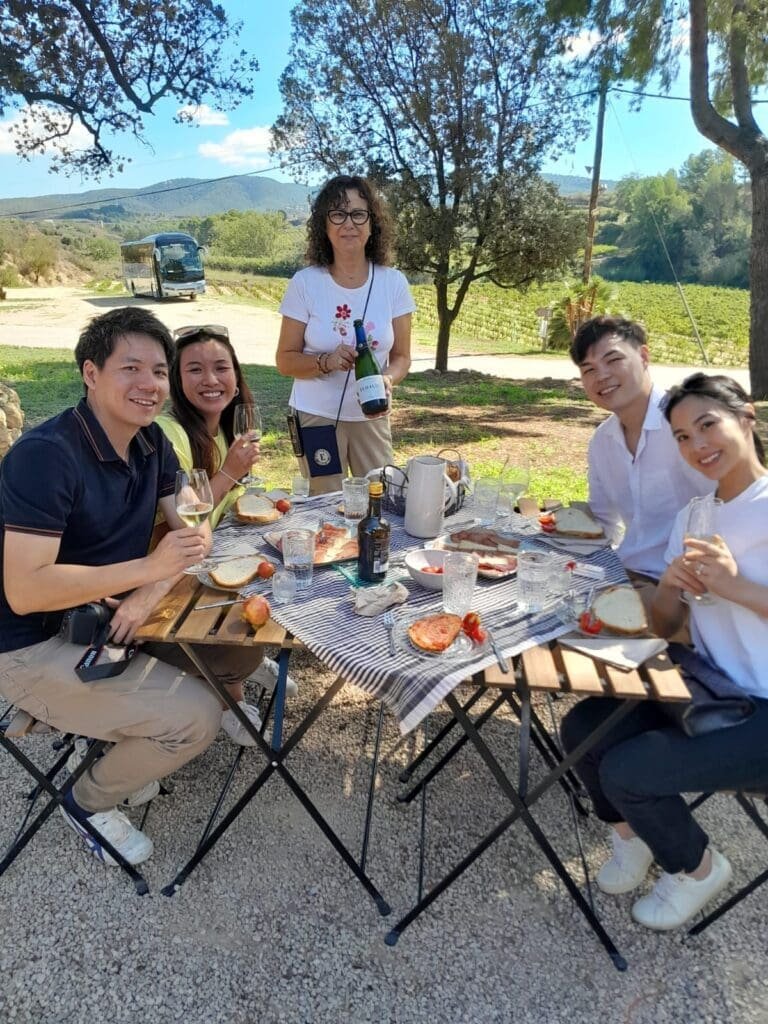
637 774
348 278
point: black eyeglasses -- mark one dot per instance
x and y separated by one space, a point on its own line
211 330
356 216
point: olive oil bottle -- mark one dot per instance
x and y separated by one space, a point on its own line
373 538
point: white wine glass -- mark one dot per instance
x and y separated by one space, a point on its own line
700 525
247 427
194 503
513 482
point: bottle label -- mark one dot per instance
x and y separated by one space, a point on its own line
381 555
370 389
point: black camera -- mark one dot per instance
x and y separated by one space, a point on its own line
85 624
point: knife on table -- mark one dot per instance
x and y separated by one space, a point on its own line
503 663
219 604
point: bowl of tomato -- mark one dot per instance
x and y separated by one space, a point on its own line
426 567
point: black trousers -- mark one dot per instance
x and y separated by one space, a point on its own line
638 772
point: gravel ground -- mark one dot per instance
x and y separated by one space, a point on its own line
272 929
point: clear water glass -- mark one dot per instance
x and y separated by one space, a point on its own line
300 487
514 482
283 587
459 579
534 571
298 555
486 498
355 491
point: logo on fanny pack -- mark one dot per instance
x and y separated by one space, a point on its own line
322 456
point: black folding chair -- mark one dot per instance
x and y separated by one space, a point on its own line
749 803
15 725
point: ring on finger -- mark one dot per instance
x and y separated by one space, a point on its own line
699 570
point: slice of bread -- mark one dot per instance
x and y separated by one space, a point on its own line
257 509
575 522
621 611
235 573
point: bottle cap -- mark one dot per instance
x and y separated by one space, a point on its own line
375 489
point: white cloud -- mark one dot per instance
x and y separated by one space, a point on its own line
76 138
203 114
582 44
247 147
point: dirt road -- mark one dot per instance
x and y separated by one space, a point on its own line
53 317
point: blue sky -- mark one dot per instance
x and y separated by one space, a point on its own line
658 137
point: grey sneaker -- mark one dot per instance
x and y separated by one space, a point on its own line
137 799
627 867
675 899
265 676
133 844
234 728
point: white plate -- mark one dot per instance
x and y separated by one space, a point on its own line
273 539
450 654
207 581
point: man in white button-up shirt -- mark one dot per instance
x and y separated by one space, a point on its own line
638 481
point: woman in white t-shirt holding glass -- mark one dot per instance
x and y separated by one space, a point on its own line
348 278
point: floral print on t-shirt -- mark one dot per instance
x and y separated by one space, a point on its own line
345 330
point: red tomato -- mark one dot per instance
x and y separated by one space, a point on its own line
570 566
470 623
264 570
433 569
282 505
589 623
479 635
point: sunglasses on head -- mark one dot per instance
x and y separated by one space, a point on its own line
208 330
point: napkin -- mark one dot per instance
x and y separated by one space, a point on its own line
374 600
623 652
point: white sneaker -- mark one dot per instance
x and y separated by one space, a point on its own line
675 899
265 676
235 729
133 844
627 867
137 799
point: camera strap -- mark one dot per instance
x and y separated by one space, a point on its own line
87 669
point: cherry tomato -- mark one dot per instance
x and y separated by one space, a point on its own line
470 623
433 569
589 623
570 566
282 505
264 570
479 635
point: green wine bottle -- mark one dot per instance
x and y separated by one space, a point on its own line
371 392
373 538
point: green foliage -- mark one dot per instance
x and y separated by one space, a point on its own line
37 256
106 70
579 303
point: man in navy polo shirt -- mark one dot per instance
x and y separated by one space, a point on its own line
78 496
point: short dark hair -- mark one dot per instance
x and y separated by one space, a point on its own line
98 338
205 454
591 331
332 196
718 388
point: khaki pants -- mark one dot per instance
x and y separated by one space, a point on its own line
158 715
363 446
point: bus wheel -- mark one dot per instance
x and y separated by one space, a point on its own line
193 296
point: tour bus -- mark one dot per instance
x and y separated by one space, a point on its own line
163 265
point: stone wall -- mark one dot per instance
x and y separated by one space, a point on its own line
11 418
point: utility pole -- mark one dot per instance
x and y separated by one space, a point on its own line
595 191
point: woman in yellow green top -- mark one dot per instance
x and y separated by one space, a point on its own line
206 385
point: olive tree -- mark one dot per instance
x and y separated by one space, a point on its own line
103 65
450 105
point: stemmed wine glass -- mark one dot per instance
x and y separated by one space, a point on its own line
194 503
700 524
247 426
513 482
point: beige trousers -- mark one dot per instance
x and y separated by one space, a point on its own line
363 446
157 716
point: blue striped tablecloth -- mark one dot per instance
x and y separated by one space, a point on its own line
411 684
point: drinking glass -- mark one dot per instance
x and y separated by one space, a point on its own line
459 579
298 555
513 482
283 586
300 487
702 514
194 503
534 569
247 426
486 498
355 490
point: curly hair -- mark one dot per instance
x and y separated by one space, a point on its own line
205 454
333 196
725 391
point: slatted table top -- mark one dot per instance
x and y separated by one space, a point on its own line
555 668
176 619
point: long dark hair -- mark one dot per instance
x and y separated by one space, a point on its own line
721 389
333 196
205 454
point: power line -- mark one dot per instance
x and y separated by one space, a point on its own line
138 192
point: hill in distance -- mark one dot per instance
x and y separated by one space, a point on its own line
194 197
